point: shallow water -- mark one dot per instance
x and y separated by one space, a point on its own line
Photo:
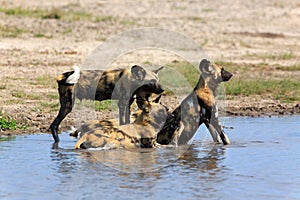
262 162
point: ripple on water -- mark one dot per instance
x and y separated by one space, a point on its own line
262 162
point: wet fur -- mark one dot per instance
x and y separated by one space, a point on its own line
197 108
107 134
120 84
155 126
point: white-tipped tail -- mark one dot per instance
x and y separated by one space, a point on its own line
73 78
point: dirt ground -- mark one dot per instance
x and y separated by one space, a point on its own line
35 47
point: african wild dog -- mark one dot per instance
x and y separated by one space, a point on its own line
197 108
177 127
142 132
119 84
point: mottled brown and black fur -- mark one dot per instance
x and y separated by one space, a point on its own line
197 108
120 84
107 134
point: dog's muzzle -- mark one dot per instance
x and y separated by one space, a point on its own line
225 75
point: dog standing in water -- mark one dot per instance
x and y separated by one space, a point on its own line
119 84
166 128
197 108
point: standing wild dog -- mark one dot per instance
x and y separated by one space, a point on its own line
119 84
155 122
142 132
197 108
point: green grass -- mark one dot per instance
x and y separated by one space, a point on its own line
273 56
186 69
52 95
57 14
106 105
179 77
42 35
2 86
11 32
18 11
52 106
194 18
103 18
45 81
27 96
8 123
208 10
281 56
295 67
286 90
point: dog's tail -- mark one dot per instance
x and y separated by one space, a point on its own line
71 77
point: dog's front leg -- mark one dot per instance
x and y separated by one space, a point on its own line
124 111
212 132
221 133
218 128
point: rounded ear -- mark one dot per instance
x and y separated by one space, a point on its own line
204 65
157 70
157 99
138 72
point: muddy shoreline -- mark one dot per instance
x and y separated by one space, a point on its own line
39 122
39 41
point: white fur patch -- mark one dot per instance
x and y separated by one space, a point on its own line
75 76
217 112
210 68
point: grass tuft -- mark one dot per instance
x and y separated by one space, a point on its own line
11 32
2 86
56 14
106 105
8 123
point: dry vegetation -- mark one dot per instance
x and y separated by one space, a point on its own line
257 40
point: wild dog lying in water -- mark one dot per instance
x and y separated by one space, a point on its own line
119 84
197 108
142 132
179 126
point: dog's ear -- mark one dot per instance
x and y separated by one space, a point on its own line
157 99
138 72
204 66
157 70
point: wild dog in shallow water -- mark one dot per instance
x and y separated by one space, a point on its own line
197 108
119 84
106 134
178 128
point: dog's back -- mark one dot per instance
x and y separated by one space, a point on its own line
142 133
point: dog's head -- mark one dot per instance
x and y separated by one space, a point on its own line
147 83
215 72
155 114
156 118
141 76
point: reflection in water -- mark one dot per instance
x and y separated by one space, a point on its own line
204 158
257 165
114 173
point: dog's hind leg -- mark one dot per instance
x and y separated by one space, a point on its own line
66 99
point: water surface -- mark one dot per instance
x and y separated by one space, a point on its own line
263 162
